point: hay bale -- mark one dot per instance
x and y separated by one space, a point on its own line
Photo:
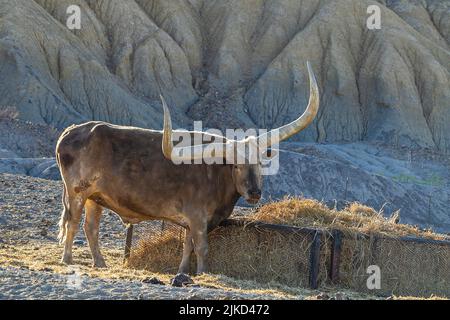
356 255
261 255
414 268
407 267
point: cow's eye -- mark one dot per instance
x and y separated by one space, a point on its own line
269 154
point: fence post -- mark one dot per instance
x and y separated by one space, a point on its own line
128 240
314 260
335 256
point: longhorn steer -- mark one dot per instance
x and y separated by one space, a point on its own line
129 170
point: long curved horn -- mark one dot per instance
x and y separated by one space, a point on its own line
188 153
302 122
167 143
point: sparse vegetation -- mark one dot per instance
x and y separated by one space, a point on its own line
8 113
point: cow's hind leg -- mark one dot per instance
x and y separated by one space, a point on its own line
91 225
75 208
187 251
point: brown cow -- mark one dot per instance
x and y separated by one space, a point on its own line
129 170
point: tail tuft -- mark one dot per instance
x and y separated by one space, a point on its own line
65 217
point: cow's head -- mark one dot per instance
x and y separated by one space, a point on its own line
247 180
247 176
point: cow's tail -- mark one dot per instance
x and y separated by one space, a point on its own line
65 217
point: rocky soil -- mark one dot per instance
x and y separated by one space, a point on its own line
20 284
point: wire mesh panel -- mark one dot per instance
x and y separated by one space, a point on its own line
408 266
264 254
157 246
356 255
302 257
239 250
414 267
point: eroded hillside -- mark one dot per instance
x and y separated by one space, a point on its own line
233 63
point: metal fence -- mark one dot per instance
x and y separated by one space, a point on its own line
302 257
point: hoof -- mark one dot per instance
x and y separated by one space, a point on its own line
67 261
183 270
100 265
201 272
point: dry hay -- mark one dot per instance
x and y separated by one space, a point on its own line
354 219
414 268
407 267
157 249
261 255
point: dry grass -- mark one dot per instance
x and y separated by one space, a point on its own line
407 267
46 256
355 218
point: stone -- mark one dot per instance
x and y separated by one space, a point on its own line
322 296
153 280
181 280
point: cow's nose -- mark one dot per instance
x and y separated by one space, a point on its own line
255 194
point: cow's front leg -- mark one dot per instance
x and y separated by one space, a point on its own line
199 232
187 251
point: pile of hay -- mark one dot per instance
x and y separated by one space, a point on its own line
353 219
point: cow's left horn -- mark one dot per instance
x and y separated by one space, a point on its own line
167 144
302 122
186 153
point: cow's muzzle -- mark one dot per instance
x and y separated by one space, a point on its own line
253 196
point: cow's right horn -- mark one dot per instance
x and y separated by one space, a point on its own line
288 130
